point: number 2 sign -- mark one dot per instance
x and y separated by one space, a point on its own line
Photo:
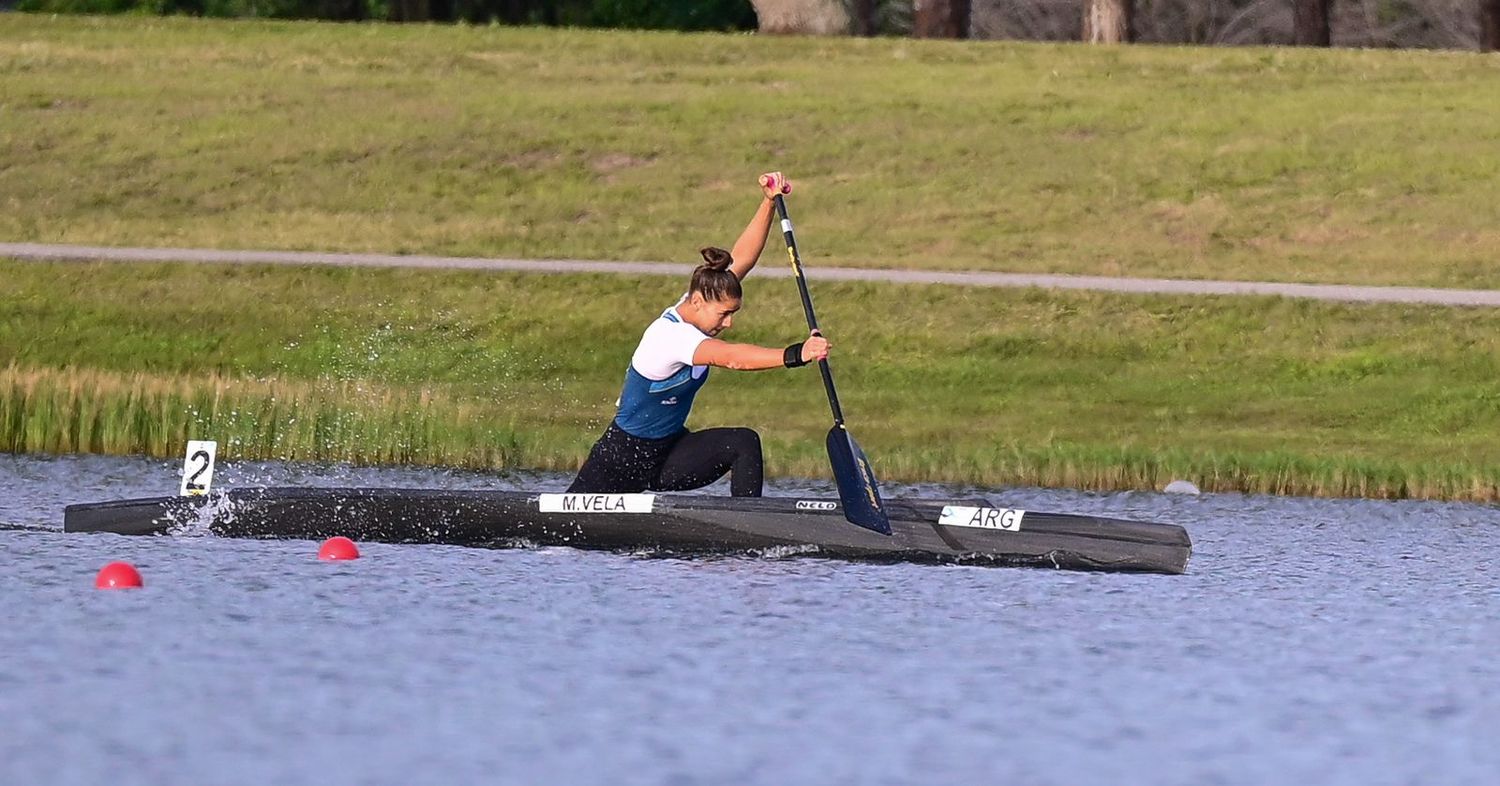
198 467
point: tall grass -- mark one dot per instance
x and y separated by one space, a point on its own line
90 411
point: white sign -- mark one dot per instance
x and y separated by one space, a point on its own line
1007 519
198 467
816 504
596 503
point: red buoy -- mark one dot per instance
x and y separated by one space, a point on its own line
338 547
118 575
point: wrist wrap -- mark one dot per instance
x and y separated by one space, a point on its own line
792 357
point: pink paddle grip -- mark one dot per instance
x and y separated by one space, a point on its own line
771 181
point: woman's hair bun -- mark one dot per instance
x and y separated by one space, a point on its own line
713 279
715 258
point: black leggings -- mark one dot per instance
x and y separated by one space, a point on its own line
622 463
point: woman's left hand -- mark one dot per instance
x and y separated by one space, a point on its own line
774 183
815 348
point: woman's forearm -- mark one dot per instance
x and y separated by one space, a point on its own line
738 357
746 251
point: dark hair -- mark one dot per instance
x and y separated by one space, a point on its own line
713 279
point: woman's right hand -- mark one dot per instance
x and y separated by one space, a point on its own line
815 348
774 183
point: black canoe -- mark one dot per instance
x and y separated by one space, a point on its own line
923 530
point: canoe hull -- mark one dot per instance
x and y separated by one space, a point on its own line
678 524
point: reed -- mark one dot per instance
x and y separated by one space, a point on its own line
119 413
91 411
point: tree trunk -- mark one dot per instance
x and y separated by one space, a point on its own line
1310 22
1109 21
941 19
519 12
407 11
864 21
801 17
1489 25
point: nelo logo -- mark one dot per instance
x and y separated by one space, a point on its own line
804 504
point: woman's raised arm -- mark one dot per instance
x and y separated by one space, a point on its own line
746 251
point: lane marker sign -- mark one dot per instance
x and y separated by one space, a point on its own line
198 467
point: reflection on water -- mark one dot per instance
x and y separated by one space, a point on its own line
1330 641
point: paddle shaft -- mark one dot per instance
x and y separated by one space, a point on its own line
807 305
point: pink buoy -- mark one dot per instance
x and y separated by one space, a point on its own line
338 547
118 575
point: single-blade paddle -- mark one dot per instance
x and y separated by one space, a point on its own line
858 489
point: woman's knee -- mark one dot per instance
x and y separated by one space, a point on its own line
745 440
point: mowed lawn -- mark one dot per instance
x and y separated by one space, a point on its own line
985 386
1336 166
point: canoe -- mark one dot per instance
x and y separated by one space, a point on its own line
966 531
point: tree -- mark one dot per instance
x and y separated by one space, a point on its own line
1109 21
408 11
1310 23
1489 25
864 13
801 17
941 19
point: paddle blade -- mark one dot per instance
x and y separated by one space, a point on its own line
857 487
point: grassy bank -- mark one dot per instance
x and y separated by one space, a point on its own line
1363 167
984 386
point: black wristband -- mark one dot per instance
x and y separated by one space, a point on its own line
792 357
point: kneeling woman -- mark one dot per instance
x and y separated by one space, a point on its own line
648 446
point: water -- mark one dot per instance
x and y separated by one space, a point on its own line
1319 641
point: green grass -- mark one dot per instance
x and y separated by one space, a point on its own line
1365 167
76 411
1362 167
966 385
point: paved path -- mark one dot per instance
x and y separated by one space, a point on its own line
1340 292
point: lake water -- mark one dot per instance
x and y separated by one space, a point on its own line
1317 641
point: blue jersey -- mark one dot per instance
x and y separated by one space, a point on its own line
661 381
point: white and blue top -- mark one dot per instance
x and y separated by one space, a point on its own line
662 380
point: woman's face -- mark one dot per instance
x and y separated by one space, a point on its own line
712 316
